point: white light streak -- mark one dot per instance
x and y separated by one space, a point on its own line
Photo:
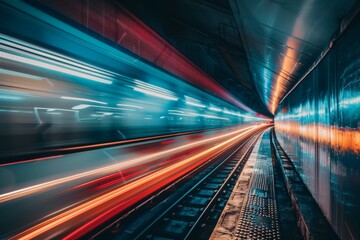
54 109
83 100
156 94
215 109
191 114
195 104
128 105
154 90
84 106
60 69
26 48
80 106
350 101
19 74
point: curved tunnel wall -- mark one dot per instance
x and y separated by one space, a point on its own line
318 125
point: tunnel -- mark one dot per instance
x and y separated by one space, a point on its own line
182 119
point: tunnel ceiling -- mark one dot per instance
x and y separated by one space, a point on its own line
257 50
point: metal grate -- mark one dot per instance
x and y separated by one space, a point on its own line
259 216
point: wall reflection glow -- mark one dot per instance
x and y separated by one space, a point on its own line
318 125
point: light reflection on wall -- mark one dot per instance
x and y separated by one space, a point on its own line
318 125
344 139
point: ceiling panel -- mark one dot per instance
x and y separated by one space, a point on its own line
282 39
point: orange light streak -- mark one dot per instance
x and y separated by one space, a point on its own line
290 62
107 169
288 66
343 138
94 207
107 144
32 160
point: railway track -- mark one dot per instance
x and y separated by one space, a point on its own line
190 207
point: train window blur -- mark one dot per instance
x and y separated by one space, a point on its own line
50 100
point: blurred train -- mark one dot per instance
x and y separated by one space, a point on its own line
62 87
50 100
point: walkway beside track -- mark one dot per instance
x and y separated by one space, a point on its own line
252 209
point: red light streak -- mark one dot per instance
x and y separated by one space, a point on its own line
125 29
98 145
108 169
90 214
